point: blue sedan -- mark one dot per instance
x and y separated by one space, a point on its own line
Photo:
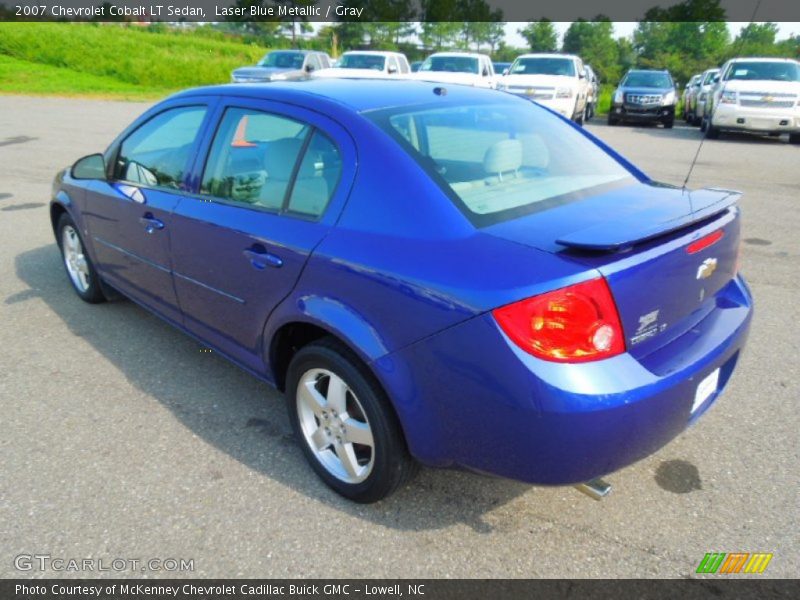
433 275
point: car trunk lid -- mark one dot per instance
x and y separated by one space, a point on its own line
652 245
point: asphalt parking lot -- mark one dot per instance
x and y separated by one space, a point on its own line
121 439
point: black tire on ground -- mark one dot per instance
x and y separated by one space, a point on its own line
93 291
669 123
712 132
392 464
581 118
794 138
611 120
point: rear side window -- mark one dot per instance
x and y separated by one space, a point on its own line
272 163
156 154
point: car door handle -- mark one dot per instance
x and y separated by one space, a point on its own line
150 223
260 258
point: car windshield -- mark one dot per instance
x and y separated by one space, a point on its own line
650 79
362 61
543 66
452 64
283 60
709 77
501 161
773 71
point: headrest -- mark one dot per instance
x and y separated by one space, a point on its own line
281 156
502 157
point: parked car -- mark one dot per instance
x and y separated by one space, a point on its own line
756 95
644 95
464 68
455 279
594 91
281 65
556 80
359 64
709 79
690 94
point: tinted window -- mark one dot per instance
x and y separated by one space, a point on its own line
501 161
653 79
317 177
156 154
544 66
773 71
253 157
254 161
283 60
451 64
362 61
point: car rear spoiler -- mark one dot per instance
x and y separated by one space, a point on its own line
617 235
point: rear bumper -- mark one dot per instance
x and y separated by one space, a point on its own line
767 120
625 112
469 397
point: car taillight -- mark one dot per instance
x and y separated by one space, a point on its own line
578 323
705 242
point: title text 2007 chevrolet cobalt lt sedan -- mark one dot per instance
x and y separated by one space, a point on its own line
438 275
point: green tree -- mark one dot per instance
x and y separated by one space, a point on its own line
757 39
594 42
541 36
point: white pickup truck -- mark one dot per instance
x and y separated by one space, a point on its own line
758 95
556 80
464 68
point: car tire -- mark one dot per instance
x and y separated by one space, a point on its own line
581 118
712 132
668 123
327 421
80 270
794 138
612 121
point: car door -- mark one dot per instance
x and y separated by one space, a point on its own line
129 215
271 183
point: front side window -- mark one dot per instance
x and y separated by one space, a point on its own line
157 154
271 162
501 161
544 66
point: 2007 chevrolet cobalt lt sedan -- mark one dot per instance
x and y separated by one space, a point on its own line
440 275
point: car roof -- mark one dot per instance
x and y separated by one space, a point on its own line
762 59
359 96
379 52
469 54
547 55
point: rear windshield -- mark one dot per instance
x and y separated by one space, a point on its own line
543 66
772 71
651 79
453 64
501 161
362 61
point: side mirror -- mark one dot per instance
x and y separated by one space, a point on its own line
392 69
582 75
506 71
89 167
485 72
309 68
715 79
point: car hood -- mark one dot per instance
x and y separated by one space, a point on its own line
540 80
779 87
354 73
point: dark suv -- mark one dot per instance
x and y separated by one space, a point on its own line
644 95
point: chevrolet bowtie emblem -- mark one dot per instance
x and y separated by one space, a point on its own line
707 268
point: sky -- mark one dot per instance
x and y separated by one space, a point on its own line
624 29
